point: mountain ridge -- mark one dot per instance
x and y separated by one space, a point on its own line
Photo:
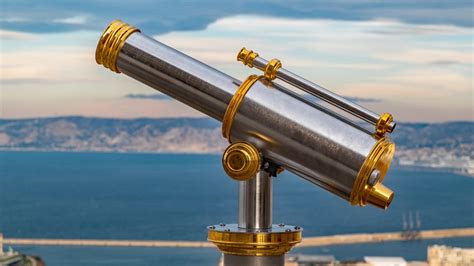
196 135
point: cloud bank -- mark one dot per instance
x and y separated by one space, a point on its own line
157 17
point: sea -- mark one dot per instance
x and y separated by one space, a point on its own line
175 196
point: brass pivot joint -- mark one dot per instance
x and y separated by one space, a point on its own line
241 161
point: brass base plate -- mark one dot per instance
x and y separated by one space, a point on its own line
276 241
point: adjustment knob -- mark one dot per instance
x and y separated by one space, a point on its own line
241 161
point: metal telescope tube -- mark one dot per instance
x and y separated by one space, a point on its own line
287 130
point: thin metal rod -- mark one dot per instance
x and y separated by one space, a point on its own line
255 202
323 94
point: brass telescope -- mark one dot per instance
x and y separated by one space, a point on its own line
270 129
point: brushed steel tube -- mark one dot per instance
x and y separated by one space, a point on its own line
255 202
236 260
323 94
185 79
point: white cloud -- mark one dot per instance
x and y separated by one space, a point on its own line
15 35
411 68
76 20
412 65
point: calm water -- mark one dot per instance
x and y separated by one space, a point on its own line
174 197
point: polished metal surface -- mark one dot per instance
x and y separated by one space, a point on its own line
322 93
187 80
236 260
255 202
300 136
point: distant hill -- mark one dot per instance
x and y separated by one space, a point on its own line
184 135
440 135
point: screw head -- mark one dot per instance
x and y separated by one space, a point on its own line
374 177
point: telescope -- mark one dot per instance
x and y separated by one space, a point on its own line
270 128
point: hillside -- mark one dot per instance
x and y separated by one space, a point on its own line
442 145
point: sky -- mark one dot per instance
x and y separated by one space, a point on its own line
413 59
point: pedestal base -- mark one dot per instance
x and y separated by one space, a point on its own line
236 260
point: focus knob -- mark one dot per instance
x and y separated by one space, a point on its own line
241 161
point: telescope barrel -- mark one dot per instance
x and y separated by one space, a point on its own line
287 130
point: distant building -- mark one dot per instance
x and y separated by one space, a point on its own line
449 256
13 258
385 261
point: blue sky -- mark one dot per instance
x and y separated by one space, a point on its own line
414 57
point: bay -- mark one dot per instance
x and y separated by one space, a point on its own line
175 196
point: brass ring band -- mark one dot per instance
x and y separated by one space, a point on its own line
234 105
247 56
379 158
271 69
111 42
382 124
255 243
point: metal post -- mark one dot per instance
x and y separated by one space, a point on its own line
255 215
236 260
255 202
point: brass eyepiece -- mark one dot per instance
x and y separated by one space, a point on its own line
241 161
380 196
368 186
111 42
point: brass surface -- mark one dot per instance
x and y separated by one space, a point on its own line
382 124
380 196
241 161
271 69
269 243
234 105
247 56
379 158
111 42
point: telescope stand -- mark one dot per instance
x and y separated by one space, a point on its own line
255 240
